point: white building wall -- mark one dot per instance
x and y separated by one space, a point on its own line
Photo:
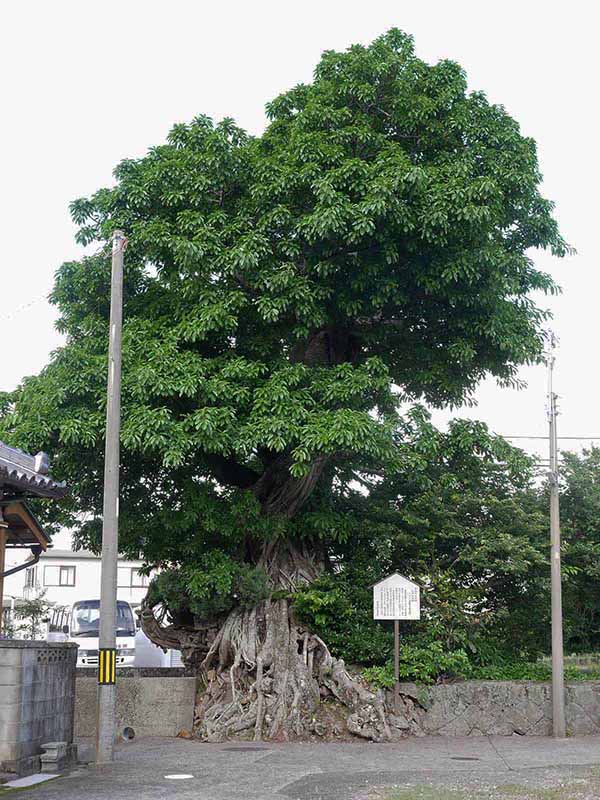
14 584
87 587
86 584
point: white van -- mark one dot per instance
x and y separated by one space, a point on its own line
80 623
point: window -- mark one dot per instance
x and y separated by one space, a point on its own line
30 578
138 580
124 577
130 578
86 619
59 576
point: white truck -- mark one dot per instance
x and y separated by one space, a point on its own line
80 623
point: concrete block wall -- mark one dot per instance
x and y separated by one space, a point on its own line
157 705
37 699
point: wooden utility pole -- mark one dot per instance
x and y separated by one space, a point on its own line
558 678
107 689
396 664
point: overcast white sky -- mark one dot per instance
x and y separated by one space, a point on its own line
86 84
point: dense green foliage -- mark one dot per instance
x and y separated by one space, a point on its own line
423 663
286 297
465 520
484 566
428 666
580 524
210 588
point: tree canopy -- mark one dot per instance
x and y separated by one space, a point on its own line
286 293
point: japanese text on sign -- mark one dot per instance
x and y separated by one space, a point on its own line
396 598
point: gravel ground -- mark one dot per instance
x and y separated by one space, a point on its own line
565 783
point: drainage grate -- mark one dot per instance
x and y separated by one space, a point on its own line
463 758
245 749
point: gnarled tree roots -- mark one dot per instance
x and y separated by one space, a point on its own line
269 678
266 676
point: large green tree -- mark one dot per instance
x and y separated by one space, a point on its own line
580 527
285 295
465 518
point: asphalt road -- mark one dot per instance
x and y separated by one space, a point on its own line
437 767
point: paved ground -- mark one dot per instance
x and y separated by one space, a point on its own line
421 769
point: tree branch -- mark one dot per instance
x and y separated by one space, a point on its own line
230 472
244 284
377 320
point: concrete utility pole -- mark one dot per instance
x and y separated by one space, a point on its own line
106 718
558 678
3 527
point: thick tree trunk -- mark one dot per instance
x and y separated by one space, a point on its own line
283 494
267 677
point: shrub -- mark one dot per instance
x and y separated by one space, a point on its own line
211 589
421 663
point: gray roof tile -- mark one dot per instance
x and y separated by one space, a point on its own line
27 474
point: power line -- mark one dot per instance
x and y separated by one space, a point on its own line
23 307
545 438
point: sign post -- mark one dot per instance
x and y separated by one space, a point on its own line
396 662
396 598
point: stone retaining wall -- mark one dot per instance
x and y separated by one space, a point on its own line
158 705
505 708
37 696
161 703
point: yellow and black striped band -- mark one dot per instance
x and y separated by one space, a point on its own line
107 665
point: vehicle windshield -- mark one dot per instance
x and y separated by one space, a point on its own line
86 619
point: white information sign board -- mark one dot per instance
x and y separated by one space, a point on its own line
395 597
